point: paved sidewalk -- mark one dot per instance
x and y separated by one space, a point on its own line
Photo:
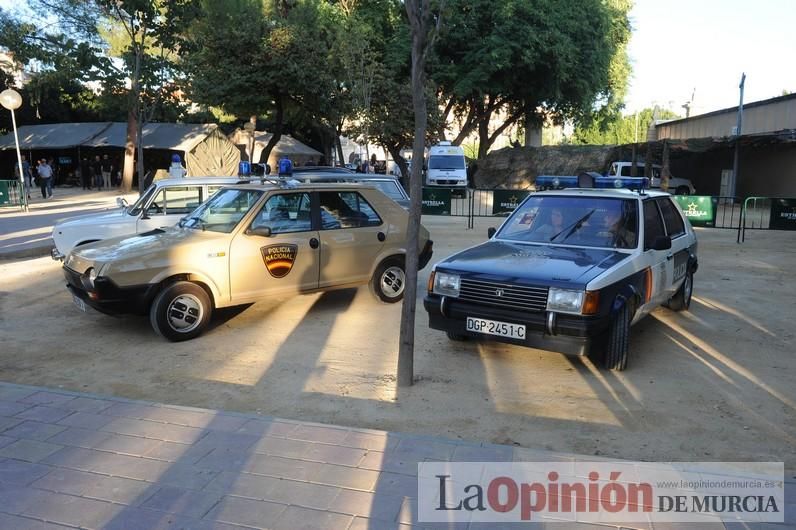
76 460
27 234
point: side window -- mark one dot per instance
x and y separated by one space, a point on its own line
156 205
181 200
346 209
625 171
671 217
284 213
653 224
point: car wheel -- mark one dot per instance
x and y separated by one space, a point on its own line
181 311
616 350
682 190
456 337
681 300
389 281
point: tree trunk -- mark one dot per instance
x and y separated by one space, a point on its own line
484 115
665 172
129 150
276 134
648 162
419 21
338 145
633 160
395 153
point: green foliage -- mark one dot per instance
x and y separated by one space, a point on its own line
621 129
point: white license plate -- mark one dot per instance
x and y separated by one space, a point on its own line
79 303
493 327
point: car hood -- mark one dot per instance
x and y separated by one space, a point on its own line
148 249
533 264
116 215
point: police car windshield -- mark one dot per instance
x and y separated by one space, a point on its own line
578 221
223 211
446 162
136 207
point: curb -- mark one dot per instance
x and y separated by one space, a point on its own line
31 252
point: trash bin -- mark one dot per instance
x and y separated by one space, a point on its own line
5 192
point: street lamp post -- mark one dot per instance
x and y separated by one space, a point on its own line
11 100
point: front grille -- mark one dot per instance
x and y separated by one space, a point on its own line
509 296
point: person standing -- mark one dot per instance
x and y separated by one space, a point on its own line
176 170
45 179
85 173
96 168
106 167
285 167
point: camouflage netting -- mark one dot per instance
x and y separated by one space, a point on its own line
518 167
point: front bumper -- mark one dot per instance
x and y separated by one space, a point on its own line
571 334
107 297
55 255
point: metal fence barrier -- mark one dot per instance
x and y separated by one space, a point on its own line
10 194
767 213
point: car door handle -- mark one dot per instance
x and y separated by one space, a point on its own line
314 243
669 257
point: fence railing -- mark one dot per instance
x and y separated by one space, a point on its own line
767 213
10 193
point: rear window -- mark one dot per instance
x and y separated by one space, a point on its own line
671 218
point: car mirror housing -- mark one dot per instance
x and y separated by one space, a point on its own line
662 243
490 232
262 231
121 202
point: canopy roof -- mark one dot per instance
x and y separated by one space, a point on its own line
171 136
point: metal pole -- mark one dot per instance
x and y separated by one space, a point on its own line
736 155
23 191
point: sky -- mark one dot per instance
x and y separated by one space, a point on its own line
681 45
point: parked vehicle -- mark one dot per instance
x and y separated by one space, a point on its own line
678 186
446 167
387 184
247 243
164 203
569 271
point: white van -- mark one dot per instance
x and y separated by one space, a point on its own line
164 203
676 185
446 166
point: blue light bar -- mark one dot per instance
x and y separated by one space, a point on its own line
630 183
554 182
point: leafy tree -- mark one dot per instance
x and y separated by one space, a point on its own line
533 59
620 129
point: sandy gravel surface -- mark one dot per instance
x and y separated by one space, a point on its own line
717 383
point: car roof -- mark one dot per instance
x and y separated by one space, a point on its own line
302 186
620 193
184 181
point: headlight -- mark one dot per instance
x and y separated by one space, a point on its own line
92 275
446 284
565 300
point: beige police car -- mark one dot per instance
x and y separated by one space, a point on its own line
247 242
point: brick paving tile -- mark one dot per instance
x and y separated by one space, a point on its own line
75 511
47 398
43 413
297 518
29 450
182 501
34 430
92 485
247 512
13 522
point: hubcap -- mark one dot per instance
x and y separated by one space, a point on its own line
392 282
184 313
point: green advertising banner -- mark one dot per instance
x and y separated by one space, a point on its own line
697 208
783 214
505 202
436 201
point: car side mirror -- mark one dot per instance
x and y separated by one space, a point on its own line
121 202
262 231
662 243
490 232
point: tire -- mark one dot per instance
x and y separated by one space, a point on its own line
616 348
456 337
180 311
682 190
681 300
389 281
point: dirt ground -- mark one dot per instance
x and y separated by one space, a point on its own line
716 383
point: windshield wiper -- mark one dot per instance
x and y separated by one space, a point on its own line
574 227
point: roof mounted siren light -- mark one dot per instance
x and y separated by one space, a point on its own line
590 179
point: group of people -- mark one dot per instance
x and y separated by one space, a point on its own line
101 172
42 174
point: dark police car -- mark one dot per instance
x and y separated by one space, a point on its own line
570 270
